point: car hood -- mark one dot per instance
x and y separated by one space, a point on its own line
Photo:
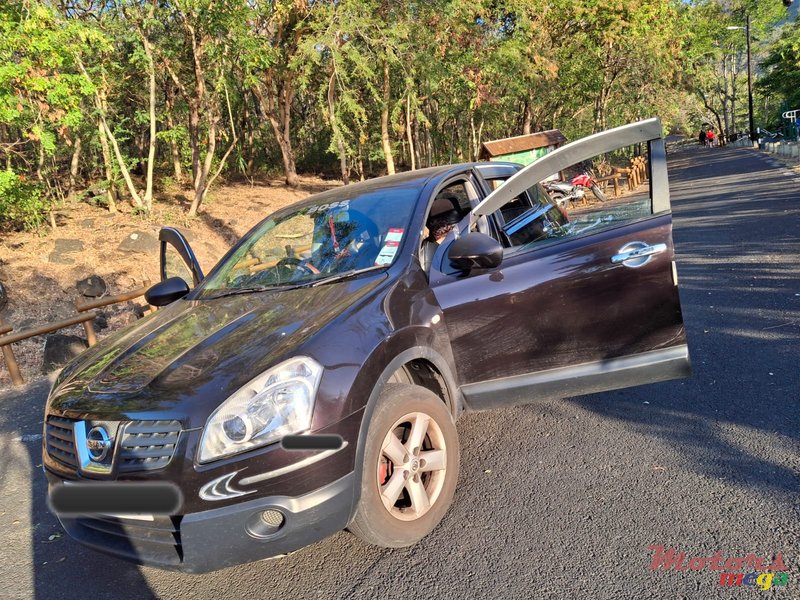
198 351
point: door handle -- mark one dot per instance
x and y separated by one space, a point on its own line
637 254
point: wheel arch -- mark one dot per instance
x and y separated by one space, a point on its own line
422 357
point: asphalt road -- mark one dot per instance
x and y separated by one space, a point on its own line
556 499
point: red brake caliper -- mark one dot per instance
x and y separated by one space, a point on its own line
383 471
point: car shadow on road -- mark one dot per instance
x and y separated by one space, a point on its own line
739 266
58 563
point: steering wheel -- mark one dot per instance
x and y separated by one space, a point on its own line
293 264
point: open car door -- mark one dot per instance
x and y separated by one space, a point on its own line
580 303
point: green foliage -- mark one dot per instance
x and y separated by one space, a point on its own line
305 81
782 66
22 203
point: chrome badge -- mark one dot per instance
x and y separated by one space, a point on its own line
98 444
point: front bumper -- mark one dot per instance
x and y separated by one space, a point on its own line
222 537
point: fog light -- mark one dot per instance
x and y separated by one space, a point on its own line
272 518
265 523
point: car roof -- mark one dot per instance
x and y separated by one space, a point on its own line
417 179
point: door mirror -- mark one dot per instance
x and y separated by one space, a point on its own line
166 292
475 251
177 258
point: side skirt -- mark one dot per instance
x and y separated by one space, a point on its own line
587 378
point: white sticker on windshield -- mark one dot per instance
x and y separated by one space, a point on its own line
394 235
387 253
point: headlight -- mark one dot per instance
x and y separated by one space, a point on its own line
278 402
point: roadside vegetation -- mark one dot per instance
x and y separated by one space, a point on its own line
113 102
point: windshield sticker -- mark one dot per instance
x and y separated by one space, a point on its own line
394 235
343 205
386 255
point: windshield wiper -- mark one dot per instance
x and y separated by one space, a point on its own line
282 288
346 275
255 290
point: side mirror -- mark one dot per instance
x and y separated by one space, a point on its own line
177 257
475 251
167 291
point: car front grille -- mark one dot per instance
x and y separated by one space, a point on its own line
158 540
142 445
61 440
147 445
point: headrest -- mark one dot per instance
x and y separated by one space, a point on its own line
444 204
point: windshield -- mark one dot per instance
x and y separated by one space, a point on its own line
344 232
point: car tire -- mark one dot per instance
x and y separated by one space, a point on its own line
406 471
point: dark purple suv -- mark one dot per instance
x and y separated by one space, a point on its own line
377 312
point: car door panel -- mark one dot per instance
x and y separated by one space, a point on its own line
575 315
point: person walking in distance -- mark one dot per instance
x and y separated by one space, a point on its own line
702 137
710 137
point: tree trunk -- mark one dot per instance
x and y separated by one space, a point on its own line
135 197
335 128
169 101
194 139
74 166
109 169
385 141
417 154
409 134
248 146
151 154
40 163
281 120
200 187
527 118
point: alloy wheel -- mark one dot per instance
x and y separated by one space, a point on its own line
412 466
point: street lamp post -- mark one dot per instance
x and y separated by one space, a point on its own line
753 134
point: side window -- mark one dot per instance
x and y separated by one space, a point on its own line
604 192
450 205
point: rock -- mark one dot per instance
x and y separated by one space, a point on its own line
86 223
93 286
142 242
138 310
68 246
3 297
62 249
101 322
59 349
60 259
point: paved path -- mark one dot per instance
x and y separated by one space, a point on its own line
556 499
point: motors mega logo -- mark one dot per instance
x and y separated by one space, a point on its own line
750 570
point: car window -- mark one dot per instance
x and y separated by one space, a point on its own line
340 233
607 191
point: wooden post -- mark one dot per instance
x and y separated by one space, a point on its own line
91 338
12 366
11 360
88 327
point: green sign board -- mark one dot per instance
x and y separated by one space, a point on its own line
525 157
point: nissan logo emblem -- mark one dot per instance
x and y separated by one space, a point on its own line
98 444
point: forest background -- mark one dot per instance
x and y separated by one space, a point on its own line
112 102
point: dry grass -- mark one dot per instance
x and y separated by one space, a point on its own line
42 291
